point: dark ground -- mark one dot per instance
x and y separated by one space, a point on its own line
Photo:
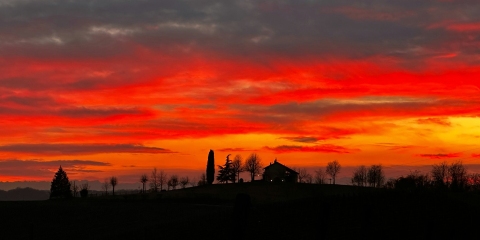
322 212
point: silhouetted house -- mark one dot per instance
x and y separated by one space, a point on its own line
277 172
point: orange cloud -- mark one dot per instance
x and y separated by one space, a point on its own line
79 149
233 150
128 83
441 155
326 148
437 121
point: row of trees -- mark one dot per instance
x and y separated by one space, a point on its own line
230 171
373 176
61 187
452 176
442 176
332 169
158 179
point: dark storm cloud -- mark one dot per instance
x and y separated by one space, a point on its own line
79 149
405 29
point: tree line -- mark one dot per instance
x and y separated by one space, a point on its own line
442 176
453 176
230 171
61 187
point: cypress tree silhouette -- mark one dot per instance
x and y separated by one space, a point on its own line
60 187
210 167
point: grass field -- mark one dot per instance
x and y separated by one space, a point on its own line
299 211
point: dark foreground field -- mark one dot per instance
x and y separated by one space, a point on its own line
278 212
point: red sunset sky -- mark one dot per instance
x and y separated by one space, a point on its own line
118 87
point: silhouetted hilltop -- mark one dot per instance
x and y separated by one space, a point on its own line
24 194
262 192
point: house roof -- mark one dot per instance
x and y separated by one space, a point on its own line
277 163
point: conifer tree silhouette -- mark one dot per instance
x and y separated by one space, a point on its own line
60 187
226 172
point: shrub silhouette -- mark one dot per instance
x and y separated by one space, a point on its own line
84 190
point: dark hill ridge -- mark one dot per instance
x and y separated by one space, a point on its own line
262 192
24 194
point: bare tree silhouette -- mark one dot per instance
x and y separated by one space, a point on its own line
253 165
74 189
154 180
474 181
360 176
333 168
113 183
237 167
203 180
162 179
173 182
194 182
320 176
144 180
375 176
440 175
106 186
184 181
458 175
304 176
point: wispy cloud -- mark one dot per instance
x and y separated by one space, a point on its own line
36 168
303 139
234 150
79 149
441 155
326 148
437 121
129 74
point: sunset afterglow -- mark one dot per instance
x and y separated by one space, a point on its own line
109 87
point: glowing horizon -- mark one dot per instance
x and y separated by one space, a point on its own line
117 88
